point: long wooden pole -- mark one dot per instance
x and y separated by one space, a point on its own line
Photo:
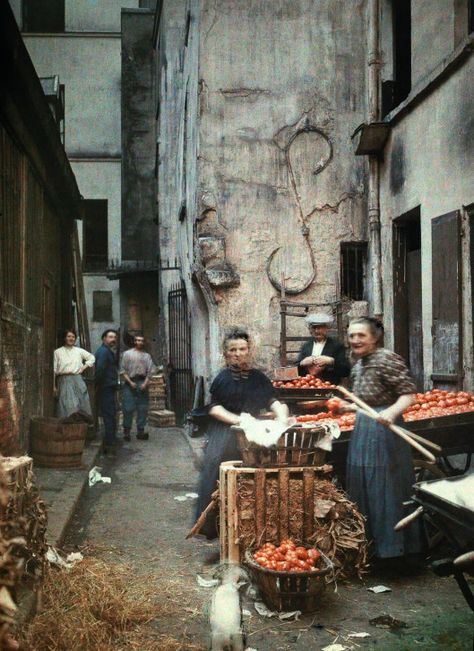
396 429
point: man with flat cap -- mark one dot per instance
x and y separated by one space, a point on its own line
321 355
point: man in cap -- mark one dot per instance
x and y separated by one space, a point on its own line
322 355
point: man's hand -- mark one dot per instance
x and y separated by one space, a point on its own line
55 392
133 384
323 360
307 361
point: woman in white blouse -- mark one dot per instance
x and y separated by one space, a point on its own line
70 362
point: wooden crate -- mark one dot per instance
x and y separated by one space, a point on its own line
161 418
17 470
264 514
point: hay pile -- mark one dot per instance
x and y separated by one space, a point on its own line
101 606
338 528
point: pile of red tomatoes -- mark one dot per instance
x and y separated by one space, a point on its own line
304 382
435 403
287 557
345 421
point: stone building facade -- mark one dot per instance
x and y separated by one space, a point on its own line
91 47
257 182
427 187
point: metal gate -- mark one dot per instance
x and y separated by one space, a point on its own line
181 376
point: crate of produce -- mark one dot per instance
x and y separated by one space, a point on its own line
296 587
272 504
297 447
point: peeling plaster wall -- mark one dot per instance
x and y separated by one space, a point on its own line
429 161
279 99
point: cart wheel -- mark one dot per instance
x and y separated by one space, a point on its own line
425 470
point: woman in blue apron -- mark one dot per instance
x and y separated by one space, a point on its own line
236 389
380 472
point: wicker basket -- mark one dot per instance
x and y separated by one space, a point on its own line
287 591
297 447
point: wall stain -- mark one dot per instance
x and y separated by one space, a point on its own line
397 167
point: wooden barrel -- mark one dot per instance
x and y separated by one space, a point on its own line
56 445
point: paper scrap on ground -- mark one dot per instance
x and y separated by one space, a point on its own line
95 477
192 496
246 613
263 611
6 601
206 583
181 498
335 647
359 635
378 589
54 558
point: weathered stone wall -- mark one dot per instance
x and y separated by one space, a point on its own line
281 91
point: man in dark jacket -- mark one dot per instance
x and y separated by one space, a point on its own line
323 356
106 378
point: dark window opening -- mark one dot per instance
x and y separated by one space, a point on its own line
353 270
43 16
102 307
402 49
470 16
95 235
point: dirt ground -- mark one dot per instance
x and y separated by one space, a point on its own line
136 520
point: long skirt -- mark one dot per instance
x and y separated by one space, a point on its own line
379 478
73 397
221 446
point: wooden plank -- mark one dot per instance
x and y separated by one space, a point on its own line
260 504
308 502
284 491
223 511
233 552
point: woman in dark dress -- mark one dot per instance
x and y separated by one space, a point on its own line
237 389
379 464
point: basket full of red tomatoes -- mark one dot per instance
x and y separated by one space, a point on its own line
289 576
304 387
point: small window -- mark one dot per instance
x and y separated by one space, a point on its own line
102 307
95 235
43 16
353 266
470 9
402 42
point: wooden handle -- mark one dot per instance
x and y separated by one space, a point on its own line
404 434
409 519
202 518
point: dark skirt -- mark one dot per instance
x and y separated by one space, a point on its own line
221 446
380 477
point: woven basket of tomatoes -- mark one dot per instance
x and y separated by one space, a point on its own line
296 447
289 577
305 387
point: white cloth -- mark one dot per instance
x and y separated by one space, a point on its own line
318 348
70 360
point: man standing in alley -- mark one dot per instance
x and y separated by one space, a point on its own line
106 377
137 369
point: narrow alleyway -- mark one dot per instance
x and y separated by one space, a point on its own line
137 520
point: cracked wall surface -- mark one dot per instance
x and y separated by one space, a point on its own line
283 93
272 184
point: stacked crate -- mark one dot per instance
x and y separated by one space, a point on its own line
158 415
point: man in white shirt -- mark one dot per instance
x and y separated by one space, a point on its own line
70 362
137 369
322 355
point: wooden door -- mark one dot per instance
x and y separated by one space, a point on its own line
447 301
415 325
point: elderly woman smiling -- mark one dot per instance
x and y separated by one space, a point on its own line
379 464
236 389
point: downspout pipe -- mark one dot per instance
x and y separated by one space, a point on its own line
375 248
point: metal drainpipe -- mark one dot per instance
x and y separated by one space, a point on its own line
374 169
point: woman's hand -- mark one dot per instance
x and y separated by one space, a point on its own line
387 416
